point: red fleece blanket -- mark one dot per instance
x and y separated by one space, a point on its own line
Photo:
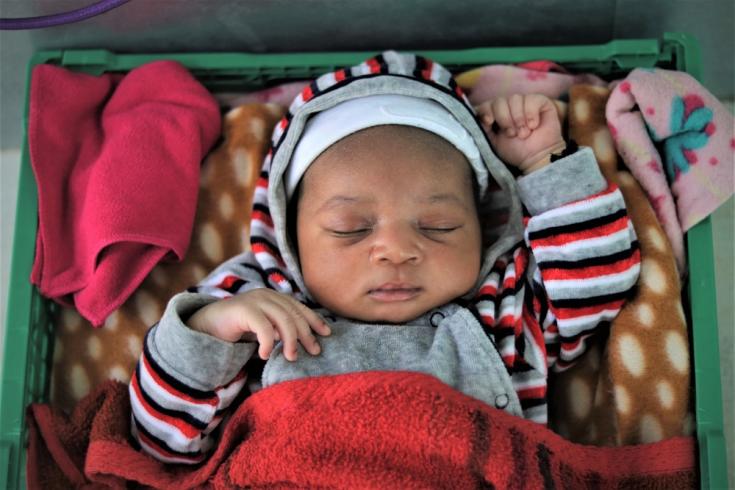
363 430
116 160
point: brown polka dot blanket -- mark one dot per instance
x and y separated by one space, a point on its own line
632 387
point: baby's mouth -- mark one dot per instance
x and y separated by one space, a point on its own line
394 292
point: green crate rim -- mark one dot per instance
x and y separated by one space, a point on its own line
26 308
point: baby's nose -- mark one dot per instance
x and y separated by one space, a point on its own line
396 246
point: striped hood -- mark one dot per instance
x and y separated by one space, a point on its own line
387 73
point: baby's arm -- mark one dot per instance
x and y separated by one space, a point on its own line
183 383
191 368
585 258
584 249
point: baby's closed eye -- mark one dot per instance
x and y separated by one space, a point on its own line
440 229
349 232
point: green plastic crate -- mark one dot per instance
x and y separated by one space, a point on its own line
29 337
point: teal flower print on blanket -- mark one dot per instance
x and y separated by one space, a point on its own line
691 126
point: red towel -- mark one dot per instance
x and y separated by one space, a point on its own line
116 160
362 430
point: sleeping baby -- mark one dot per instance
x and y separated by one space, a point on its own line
388 234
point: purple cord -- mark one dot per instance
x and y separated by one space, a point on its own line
61 18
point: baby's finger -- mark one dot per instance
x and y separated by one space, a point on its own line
488 121
259 324
518 115
485 111
532 106
307 339
315 321
303 329
284 324
493 136
484 107
501 112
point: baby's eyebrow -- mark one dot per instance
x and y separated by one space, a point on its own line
442 198
340 200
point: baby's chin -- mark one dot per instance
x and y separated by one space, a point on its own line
393 314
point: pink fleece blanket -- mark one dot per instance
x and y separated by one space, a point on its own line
536 77
116 160
678 141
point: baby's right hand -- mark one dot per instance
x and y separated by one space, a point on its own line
263 315
523 129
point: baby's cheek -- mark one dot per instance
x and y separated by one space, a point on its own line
470 274
468 265
322 277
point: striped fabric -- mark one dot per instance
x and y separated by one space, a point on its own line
171 420
541 308
538 308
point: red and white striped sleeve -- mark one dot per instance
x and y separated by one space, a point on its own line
183 385
586 259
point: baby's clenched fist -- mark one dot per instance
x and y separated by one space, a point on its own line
523 129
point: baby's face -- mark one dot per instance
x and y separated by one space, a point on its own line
387 226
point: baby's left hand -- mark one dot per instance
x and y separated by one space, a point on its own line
523 129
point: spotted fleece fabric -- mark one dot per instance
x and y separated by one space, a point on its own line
635 387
